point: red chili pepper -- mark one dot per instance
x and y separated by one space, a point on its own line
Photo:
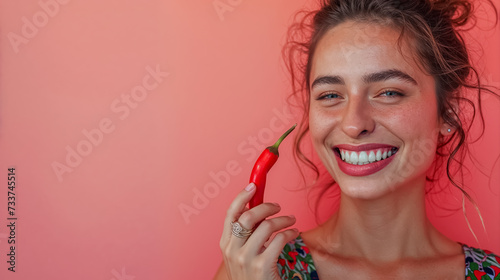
263 164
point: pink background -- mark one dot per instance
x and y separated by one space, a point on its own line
115 212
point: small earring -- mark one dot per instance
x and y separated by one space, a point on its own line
449 130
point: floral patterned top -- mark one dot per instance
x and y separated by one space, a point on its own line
295 263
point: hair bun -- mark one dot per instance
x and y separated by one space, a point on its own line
459 12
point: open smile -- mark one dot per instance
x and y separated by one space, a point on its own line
365 159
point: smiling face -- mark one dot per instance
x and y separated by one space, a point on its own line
373 112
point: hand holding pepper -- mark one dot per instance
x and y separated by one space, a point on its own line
246 231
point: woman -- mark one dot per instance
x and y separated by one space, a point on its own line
383 84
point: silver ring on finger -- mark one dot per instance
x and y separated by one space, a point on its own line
240 231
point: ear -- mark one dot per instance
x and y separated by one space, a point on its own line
446 129
451 113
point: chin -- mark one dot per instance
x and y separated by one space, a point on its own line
364 192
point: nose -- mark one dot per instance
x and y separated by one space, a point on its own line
357 119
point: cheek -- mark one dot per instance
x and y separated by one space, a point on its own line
417 127
419 120
320 125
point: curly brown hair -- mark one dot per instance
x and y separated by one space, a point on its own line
436 29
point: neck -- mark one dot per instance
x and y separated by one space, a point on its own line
386 229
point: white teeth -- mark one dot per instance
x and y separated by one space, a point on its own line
354 158
363 158
371 157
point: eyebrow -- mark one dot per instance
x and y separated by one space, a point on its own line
369 78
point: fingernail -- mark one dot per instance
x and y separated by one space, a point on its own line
277 205
250 187
292 216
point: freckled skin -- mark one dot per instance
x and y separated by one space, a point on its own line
381 230
350 51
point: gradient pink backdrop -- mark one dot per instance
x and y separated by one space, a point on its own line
116 215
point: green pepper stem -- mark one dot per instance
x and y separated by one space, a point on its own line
274 148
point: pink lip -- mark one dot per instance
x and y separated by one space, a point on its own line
366 169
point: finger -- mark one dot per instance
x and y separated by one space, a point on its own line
278 243
235 209
264 231
250 218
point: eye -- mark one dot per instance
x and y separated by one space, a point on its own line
391 93
328 95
